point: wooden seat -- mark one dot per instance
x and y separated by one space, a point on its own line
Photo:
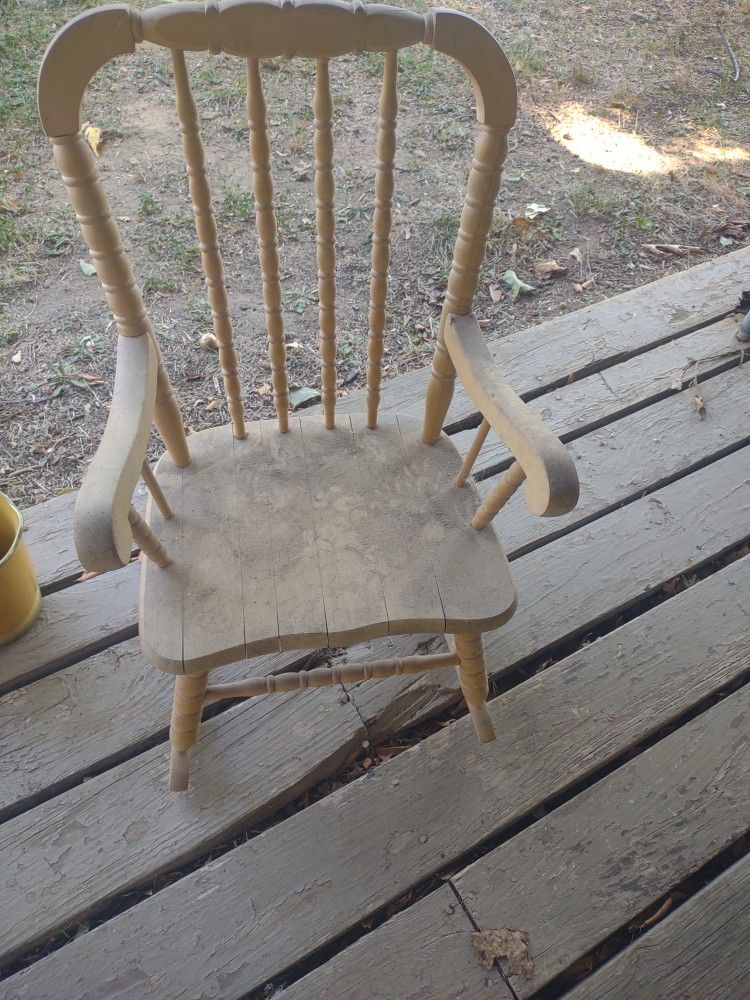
316 538
319 531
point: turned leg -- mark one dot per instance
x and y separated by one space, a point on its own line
189 691
472 673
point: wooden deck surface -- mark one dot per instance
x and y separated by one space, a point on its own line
346 843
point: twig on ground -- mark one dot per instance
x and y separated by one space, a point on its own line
730 53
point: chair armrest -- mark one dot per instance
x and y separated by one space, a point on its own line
551 478
102 533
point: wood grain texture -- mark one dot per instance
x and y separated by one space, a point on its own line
551 480
326 240
423 953
73 624
594 864
638 452
48 885
208 240
381 232
265 224
93 714
303 551
700 950
602 567
635 383
573 346
272 901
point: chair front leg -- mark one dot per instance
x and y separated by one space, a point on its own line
472 673
189 692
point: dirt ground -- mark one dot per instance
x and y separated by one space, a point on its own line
631 133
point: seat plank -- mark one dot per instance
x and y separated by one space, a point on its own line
589 867
272 901
474 579
699 950
572 346
634 383
349 568
603 567
423 953
125 828
396 522
212 600
299 593
259 597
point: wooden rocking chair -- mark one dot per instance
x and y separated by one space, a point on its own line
303 532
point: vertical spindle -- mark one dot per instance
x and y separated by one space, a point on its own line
326 239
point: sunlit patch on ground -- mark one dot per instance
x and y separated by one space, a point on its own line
719 154
598 142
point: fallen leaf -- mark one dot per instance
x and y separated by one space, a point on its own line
302 173
516 286
576 254
301 395
700 407
264 390
93 137
209 342
547 269
533 210
87 267
523 225
581 286
16 359
496 293
212 407
513 946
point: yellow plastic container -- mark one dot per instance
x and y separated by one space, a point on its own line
20 597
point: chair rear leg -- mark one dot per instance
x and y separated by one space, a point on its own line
472 673
189 692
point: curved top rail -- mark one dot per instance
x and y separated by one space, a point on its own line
262 29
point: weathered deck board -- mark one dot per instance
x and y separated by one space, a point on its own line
634 383
564 881
91 714
589 867
67 856
601 567
423 953
73 623
593 338
271 901
698 951
637 453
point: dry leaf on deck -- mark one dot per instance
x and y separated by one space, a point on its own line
700 407
93 137
547 269
576 254
581 286
513 946
522 224
212 406
496 293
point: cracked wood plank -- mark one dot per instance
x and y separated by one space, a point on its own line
699 950
270 902
594 864
65 858
423 953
